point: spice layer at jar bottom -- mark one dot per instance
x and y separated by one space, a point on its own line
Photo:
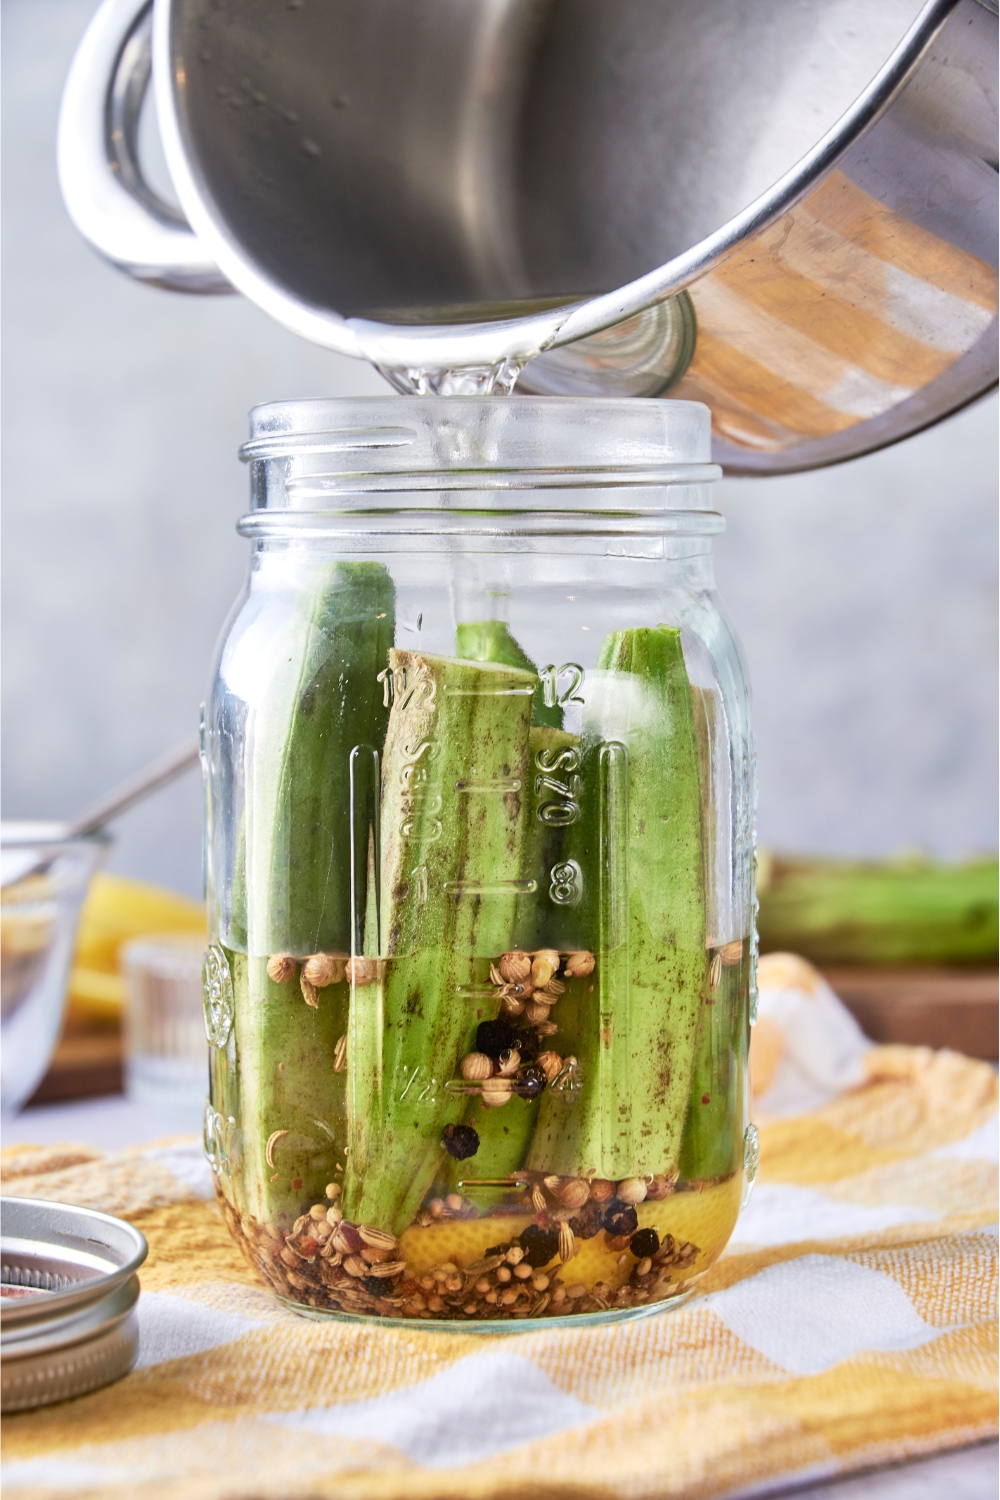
455 1267
495 1236
499 1268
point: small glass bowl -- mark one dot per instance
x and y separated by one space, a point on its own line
43 881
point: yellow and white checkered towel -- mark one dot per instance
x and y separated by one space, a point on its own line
851 1323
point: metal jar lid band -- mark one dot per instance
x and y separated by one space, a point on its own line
67 1315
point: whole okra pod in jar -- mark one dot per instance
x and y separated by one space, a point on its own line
480 827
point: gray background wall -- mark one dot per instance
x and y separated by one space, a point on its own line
864 595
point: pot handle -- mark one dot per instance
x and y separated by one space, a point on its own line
103 188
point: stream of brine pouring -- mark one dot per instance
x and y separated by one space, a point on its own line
470 380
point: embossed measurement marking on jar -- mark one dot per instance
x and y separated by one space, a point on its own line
614 987
475 991
488 1182
566 883
417 801
365 1080
489 692
420 1090
463 1087
510 784
398 686
568 1080
563 808
493 888
550 677
560 811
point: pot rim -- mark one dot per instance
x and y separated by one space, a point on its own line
447 346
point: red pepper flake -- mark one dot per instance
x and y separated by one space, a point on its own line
705 1099
297 1181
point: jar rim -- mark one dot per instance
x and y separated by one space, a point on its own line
418 526
342 445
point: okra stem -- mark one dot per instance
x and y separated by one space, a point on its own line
491 640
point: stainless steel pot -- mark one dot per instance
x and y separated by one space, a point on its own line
787 211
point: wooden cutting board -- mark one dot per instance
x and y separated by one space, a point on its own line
957 1008
924 1007
84 1066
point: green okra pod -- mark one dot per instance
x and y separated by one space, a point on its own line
554 913
908 910
452 846
638 1029
322 700
712 1144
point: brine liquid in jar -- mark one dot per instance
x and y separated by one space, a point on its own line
478 998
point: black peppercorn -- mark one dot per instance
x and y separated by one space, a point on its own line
375 1285
620 1218
587 1222
460 1141
495 1037
539 1245
529 1083
527 1044
644 1242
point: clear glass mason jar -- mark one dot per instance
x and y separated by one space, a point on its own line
480 863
